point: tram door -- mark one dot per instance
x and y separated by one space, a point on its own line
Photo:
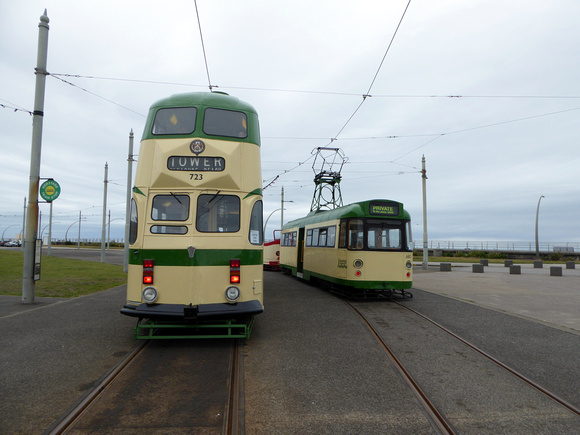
300 259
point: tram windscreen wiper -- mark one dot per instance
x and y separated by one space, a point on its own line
175 196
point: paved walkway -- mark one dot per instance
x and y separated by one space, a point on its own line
552 300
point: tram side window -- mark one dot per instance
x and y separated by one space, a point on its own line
308 237
315 237
174 120
322 237
229 123
256 235
342 235
355 234
170 208
133 223
330 239
218 214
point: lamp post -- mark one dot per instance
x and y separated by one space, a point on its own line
269 216
537 216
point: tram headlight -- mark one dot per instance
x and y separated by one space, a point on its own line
149 294
358 263
232 293
409 264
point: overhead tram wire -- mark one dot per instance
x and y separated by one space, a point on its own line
203 47
96 95
368 92
314 92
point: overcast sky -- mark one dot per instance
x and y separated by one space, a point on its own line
487 90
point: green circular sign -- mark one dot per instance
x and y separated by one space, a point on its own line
50 190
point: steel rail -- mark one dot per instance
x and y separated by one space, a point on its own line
563 402
234 418
437 419
71 417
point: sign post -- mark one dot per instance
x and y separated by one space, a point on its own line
50 190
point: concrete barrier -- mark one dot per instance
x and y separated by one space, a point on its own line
484 262
508 263
570 265
477 268
555 271
515 269
538 264
445 267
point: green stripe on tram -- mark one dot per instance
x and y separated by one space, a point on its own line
202 257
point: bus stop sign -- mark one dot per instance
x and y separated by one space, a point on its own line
49 190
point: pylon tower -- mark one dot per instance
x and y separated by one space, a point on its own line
327 166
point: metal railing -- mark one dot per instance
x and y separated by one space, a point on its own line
522 246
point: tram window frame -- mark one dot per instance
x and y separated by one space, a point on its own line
214 126
358 242
178 230
315 232
322 237
168 211
342 234
133 222
391 236
256 235
309 237
185 121
331 237
213 226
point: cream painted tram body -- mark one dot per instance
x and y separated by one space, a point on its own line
362 249
196 240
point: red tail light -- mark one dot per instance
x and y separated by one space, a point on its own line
235 271
148 271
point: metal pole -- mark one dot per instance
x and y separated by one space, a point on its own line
425 237
79 238
282 210
104 214
109 232
23 227
37 118
128 205
537 216
49 229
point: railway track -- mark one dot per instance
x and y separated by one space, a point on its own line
560 400
117 402
439 421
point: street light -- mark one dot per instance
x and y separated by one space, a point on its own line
15 225
537 216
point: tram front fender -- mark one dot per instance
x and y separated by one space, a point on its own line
186 312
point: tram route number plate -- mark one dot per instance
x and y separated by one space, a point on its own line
197 164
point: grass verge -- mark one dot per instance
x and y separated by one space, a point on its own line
59 277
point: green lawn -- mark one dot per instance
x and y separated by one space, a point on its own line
59 277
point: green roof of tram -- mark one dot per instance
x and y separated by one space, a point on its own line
354 210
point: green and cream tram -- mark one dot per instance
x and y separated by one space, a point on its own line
196 240
361 249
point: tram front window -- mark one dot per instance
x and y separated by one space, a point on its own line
170 208
384 235
175 120
218 214
230 123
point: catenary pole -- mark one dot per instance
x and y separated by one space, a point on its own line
103 233
425 237
537 218
37 118
128 205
